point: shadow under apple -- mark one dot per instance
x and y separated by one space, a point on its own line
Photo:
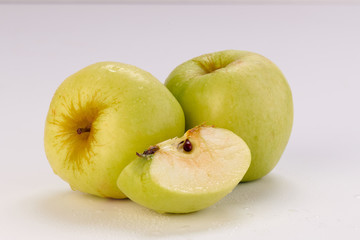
108 215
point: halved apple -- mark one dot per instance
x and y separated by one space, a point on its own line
187 174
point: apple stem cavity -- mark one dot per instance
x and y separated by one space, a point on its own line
81 130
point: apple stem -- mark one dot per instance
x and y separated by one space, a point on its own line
81 130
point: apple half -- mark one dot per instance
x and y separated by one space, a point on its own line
189 173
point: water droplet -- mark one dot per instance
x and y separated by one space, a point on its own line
357 196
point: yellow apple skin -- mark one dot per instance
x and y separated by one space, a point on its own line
125 110
240 91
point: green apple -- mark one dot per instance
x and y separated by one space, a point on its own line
240 91
187 174
99 117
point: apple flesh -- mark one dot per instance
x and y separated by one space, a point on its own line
187 174
240 91
99 117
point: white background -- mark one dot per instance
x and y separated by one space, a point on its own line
313 192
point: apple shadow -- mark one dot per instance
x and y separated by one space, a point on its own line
86 211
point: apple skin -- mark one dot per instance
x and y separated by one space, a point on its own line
126 109
240 91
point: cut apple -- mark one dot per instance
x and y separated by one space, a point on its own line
187 174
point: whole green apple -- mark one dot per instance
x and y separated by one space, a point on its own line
100 117
243 92
189 173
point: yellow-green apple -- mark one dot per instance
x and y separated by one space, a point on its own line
99 117
240 91
189 173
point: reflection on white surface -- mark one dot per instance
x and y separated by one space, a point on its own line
83 211
276 205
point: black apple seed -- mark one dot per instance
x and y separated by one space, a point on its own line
187 146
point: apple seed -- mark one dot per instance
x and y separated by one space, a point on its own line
187 146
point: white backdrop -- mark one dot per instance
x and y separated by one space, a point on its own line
313 192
